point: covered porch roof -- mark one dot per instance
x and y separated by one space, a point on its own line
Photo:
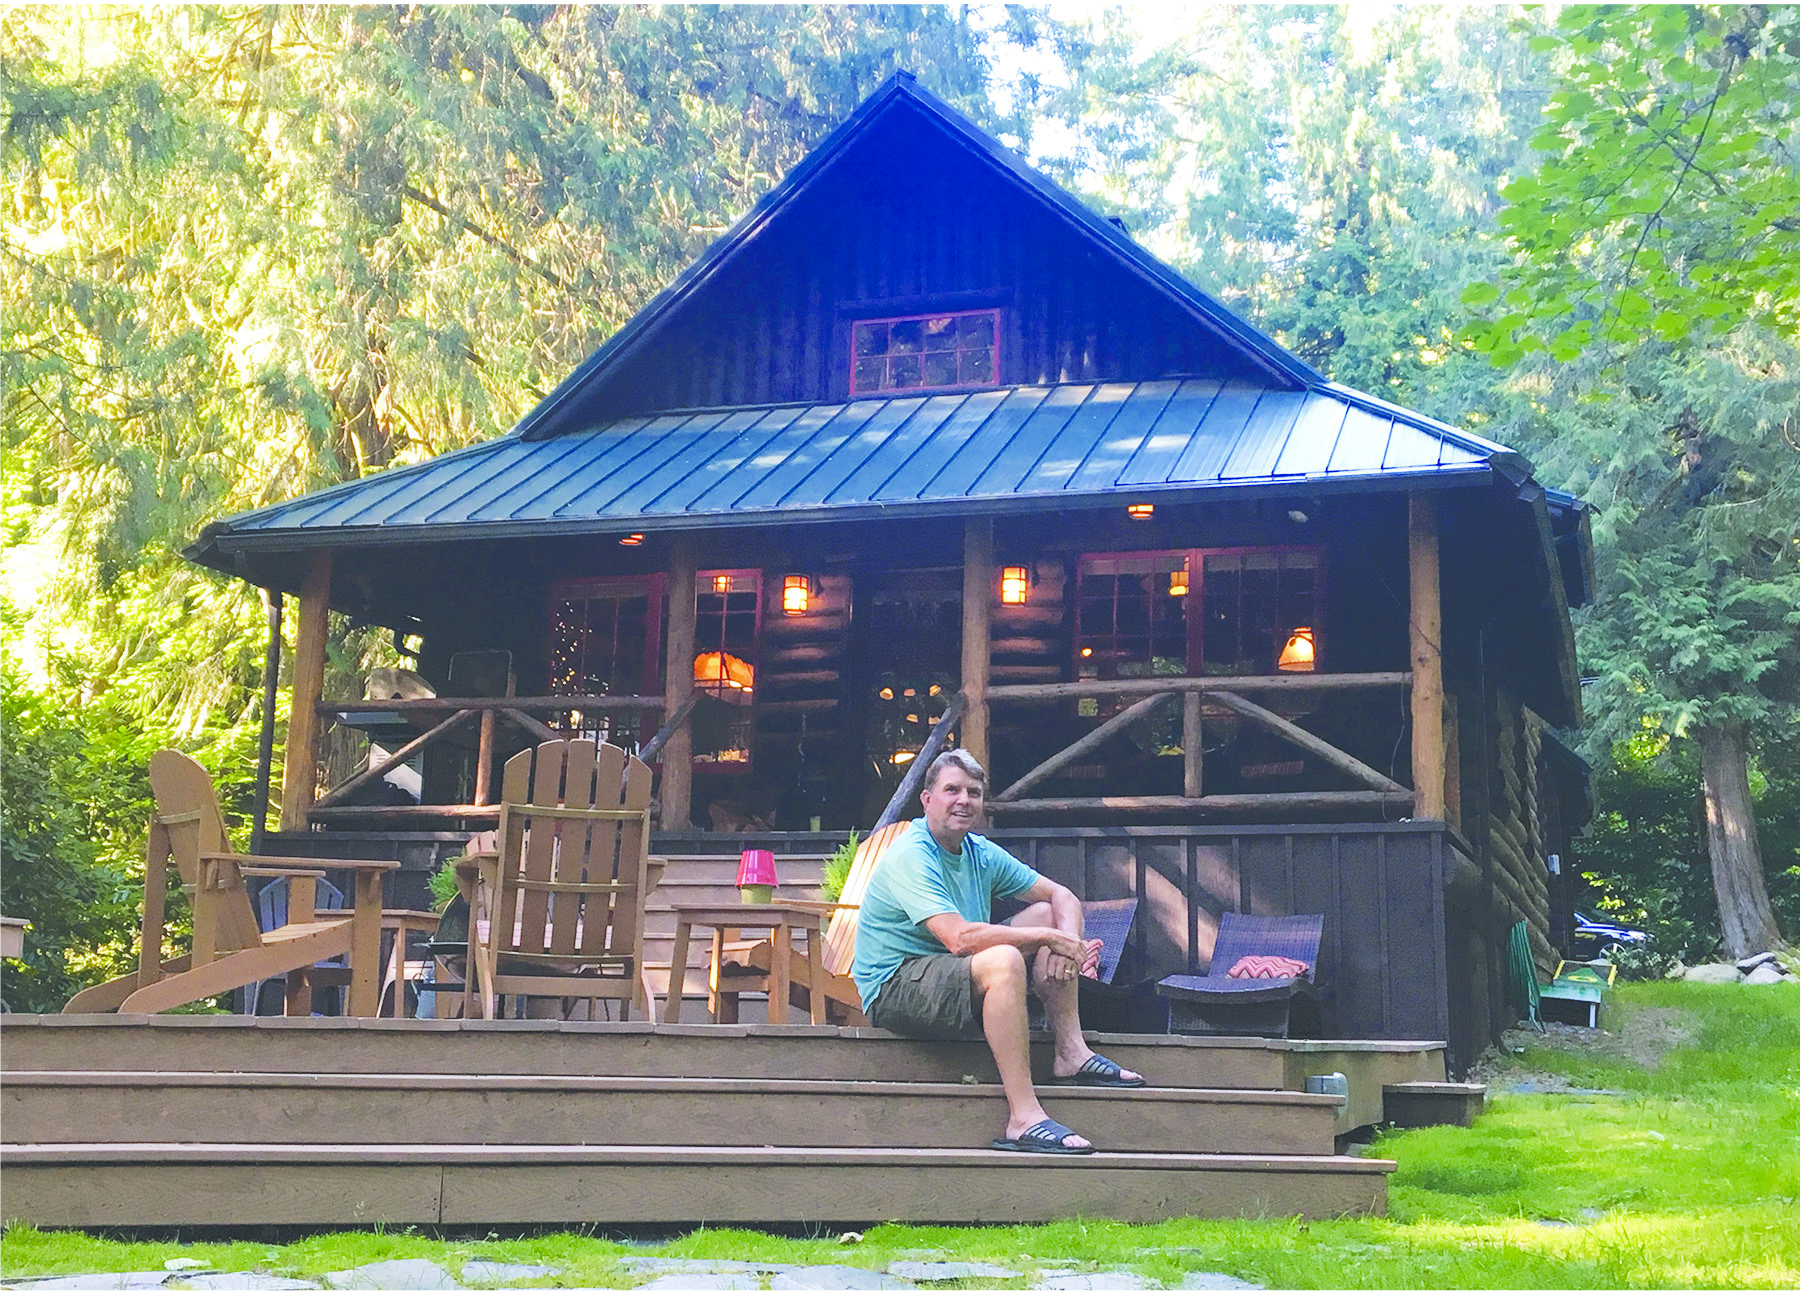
1005 449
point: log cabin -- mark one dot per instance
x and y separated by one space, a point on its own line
926 451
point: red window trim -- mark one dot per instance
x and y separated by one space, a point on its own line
993 312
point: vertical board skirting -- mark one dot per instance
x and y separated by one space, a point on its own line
1393 955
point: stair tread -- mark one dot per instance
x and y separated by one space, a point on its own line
642 1084
573 1153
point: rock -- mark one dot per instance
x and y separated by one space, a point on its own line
1755 960
1113 1280
704 1282
183 1264
1713 973
1676 972
956 1270
493 1271
393 1275
1765 974
836 1277
243 1282
1215 1282
92 1282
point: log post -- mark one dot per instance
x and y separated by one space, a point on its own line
299 767
1425 628
265 742
977 609
1192 784
678 686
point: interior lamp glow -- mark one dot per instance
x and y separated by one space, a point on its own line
722 672
721 584
1298 653
796 594
1178 585
1013 583
1140 512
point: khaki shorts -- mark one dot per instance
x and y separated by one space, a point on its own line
931 996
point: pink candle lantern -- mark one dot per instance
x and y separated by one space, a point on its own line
756 876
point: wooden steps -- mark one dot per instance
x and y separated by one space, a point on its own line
73 1107
173 1184
187 1121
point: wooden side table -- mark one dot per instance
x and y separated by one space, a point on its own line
781 920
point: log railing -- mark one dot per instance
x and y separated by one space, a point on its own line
1226 691
935 743
522 713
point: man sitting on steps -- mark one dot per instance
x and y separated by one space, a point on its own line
931 963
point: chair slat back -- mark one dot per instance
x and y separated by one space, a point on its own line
840 933
187 825
1244 935
572 879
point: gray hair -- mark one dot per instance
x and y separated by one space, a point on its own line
957 758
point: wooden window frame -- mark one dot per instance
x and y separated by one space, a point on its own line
651 586
704 577
993 313
1193 604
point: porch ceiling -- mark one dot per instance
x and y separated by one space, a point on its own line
1005 449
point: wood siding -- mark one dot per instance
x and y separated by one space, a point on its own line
912 223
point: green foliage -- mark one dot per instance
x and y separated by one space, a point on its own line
1330 173
837 869
1644 856
73 802
1666 206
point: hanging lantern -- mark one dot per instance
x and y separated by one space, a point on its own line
721 584
796 595
1013 583
1178 585
1298 653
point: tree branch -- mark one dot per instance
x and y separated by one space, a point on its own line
492 240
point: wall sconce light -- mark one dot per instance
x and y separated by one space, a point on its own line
1013 584
796 595
721 584
1178 585
1140 512
630 540
1298 653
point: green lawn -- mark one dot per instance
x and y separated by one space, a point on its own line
1689 1177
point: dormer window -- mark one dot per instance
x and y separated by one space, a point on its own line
925 352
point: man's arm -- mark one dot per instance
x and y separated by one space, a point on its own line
1063 940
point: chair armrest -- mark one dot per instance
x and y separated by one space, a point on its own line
313 865
314 873
820 905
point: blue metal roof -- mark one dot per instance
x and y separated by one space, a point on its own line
1007 449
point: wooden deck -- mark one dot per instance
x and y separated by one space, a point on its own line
222 1120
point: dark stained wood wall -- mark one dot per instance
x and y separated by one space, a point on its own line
911 222
1380 887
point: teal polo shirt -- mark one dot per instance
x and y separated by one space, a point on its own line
917 878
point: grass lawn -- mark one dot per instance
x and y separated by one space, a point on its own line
1686 1174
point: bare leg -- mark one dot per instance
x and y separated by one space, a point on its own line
1061 1000
1000 986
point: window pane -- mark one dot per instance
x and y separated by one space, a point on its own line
906 336
870 375
940 334
976 331
940 369
977 366
871 339
903 372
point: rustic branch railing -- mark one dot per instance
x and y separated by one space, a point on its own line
521 712
915 771
1226 691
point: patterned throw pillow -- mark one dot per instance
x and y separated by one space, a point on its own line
1267 966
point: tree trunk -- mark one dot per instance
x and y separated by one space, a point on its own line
1745 919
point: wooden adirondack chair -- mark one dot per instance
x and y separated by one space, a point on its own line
229 950
559 903
842 1000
